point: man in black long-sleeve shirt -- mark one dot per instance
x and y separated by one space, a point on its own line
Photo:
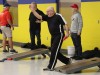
35 27
55 24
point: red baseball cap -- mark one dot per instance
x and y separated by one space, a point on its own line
74 6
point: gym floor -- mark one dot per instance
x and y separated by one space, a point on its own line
34 67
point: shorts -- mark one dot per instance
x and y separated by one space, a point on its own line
6 31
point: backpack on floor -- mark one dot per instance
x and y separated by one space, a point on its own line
91 53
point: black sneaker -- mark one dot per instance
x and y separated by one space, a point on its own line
13 51
77 58
78 72
74 57
33 47
69 61
33 58
44 56
5 51
47 69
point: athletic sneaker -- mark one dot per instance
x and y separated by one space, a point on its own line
5 51
77 58
13 51
47 69
44 56
69 61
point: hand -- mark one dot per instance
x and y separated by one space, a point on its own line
65 37
38 21
78 33
67 34
12 27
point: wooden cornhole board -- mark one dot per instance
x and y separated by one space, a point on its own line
78 66
29 53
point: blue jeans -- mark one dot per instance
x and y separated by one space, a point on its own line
77 43
32 36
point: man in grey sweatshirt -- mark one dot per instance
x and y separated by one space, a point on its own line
75 30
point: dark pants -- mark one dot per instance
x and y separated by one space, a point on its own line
56 42
32 36
77 43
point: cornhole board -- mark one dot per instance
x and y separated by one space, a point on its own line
78 66
29 53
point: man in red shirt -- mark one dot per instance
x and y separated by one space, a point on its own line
6 24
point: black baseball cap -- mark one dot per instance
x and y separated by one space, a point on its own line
7 5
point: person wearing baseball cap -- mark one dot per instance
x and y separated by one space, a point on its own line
6 24
75 31
7 5
74 6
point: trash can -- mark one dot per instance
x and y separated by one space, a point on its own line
70 51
